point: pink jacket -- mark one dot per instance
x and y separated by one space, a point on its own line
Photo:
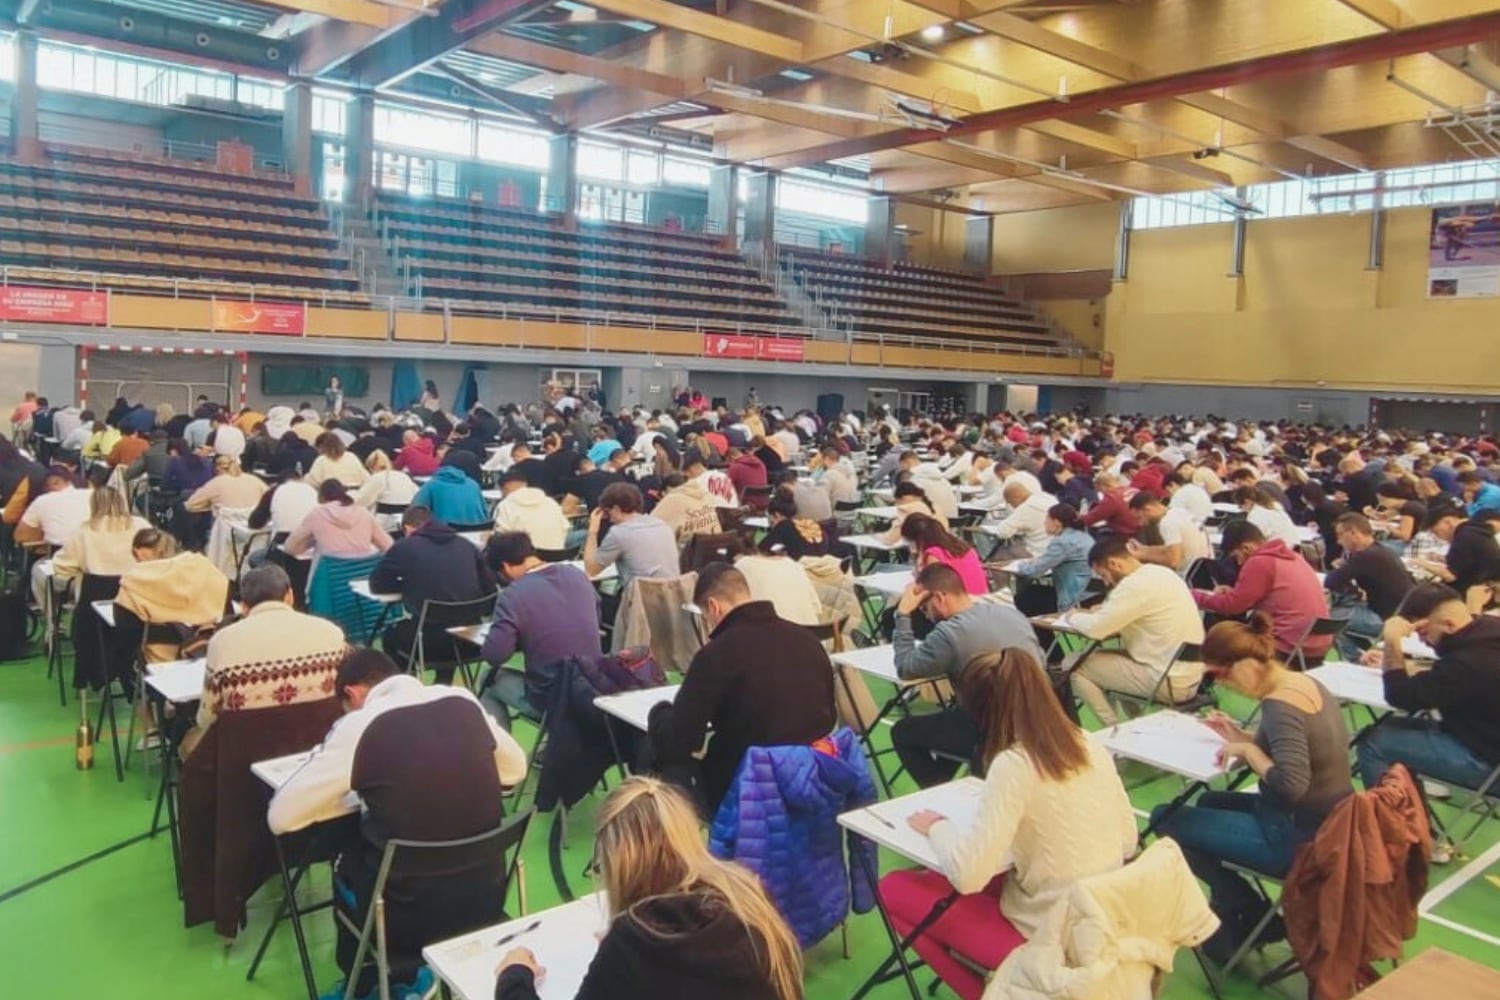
336 530
1279 582
967 566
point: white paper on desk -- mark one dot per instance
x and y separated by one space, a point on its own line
564 945
1172 741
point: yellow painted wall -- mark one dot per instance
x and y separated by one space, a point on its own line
936 237
1083 318
1305 312
1058 239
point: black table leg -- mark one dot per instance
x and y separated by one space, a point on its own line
899 945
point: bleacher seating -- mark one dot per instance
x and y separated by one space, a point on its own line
156 222
482 258
920 303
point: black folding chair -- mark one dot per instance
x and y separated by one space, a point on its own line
414 858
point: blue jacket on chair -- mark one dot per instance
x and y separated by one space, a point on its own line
780 820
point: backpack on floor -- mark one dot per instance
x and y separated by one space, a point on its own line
16 624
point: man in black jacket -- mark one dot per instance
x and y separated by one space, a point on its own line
1379 574
760 681
1464 685
1473 550
432 563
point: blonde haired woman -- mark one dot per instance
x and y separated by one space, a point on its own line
229 488
681 922
97 554
386 485
334 461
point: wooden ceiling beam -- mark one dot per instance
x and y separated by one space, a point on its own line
545 57
1080 135
1328 149
364 12
1386 13
719 29
1033 35
1190 168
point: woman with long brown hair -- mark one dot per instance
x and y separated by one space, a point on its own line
1052 811
682 923
1300 753
932 543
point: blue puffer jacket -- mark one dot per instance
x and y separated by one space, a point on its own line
780 820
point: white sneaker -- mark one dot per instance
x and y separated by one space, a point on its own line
150 741
1442 852
1435 790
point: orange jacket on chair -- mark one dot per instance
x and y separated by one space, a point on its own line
1351 895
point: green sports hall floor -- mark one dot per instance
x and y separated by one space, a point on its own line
113 927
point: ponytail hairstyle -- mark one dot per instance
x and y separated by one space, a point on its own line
1229 642
1066 515
333 491
647 844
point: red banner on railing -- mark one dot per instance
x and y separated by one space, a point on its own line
26 304
728 345
282 318
779 349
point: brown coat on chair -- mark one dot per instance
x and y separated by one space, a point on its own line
1351 896
227 849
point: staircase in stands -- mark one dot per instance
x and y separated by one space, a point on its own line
378 271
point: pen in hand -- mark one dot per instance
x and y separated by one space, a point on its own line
507 939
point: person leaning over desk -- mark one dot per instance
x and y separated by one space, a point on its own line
1053 811
682 924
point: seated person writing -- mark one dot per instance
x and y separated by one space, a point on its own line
428 764
964 629
1052 805
682 923
546 611
1299 753
1151 611
1463 685
759 681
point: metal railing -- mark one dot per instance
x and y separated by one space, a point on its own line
591 320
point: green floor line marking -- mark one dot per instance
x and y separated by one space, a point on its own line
71 866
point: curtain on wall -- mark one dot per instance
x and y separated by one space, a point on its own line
406 385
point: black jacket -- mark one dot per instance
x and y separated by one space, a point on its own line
1473 555
1464 684
760 681
1379 572
688 945
435 563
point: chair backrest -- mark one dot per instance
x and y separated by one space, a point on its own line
447 613
1200 575
329 596
559 555
408 858
391 508
466 529
701 550
1317 628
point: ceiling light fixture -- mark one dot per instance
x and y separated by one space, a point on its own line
933 33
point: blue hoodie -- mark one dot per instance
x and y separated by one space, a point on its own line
453 498
780 820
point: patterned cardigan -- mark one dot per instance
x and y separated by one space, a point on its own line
273 656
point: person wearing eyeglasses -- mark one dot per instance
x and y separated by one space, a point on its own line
965 628
682 923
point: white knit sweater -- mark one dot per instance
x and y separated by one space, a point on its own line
1054 833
